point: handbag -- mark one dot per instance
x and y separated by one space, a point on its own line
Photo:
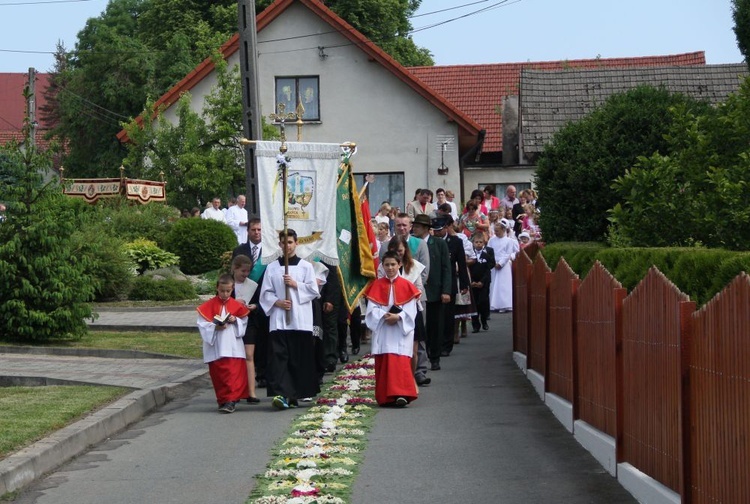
463 299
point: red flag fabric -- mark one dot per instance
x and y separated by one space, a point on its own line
367 217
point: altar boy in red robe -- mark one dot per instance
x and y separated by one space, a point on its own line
391 314
222 321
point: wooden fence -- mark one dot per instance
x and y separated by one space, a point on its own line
671 385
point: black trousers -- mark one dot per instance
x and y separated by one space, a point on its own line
482 300
449 315
434 329
355 330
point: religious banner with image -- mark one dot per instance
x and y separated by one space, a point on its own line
310 200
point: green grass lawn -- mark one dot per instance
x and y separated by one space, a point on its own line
27 414
182 344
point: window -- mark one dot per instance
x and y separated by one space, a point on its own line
386 187
292 91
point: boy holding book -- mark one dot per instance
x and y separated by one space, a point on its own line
222 321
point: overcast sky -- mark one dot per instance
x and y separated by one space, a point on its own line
507 31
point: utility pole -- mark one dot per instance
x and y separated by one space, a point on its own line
31 104
251 118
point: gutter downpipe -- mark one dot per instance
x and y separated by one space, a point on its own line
476 151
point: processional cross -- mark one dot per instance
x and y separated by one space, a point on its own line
283 160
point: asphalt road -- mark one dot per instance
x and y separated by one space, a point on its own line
477 434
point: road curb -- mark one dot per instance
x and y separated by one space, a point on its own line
142 328
32 462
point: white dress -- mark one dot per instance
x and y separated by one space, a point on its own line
501 287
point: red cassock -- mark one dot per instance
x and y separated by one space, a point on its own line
228 373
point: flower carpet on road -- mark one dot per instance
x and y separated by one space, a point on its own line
319 459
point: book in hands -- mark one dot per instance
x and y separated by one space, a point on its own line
395 309
221 319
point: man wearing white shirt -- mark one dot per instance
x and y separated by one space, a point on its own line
214 211
237 219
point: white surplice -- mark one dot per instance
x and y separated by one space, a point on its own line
219 343
386 338
273 289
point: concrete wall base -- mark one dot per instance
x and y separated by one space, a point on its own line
537 380
599 444
562 409
643 487
520 360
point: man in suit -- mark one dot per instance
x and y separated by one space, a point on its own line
459 277
480 273
438 288
257 326
421 205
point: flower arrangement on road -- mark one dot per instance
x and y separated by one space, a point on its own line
318 461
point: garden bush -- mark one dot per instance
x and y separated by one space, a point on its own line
147 255
146 288
200 244
111 270
129 221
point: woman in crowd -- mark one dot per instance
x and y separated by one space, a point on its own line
473 220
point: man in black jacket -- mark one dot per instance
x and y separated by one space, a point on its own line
459 277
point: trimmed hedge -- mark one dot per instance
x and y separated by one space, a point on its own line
699 273
169 289
200 244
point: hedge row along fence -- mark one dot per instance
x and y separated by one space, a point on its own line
658 390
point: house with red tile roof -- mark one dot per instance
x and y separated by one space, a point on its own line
489 94
13 107
407 134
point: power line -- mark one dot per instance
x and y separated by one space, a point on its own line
63 88
9 4
501 3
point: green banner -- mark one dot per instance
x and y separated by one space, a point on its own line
356 267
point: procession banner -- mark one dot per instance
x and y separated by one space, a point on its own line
145 190
92 189
356 268
310 198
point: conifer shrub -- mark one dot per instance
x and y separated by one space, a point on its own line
146 288
44 285
200 244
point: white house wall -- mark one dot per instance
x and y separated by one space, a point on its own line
395 128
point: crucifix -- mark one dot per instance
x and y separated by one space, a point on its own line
282 160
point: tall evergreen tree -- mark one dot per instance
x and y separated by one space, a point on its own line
741 15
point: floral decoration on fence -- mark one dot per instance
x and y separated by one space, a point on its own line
318 461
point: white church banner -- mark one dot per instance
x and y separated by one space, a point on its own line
312 170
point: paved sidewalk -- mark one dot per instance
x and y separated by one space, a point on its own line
138 319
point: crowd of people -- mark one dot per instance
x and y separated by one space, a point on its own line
440 268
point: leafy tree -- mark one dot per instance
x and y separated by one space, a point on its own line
44 290
741 15
698 190
200 155
385 22
576 170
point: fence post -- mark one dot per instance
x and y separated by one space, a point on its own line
574 343
619 297
687 308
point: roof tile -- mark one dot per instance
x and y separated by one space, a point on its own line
479 90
